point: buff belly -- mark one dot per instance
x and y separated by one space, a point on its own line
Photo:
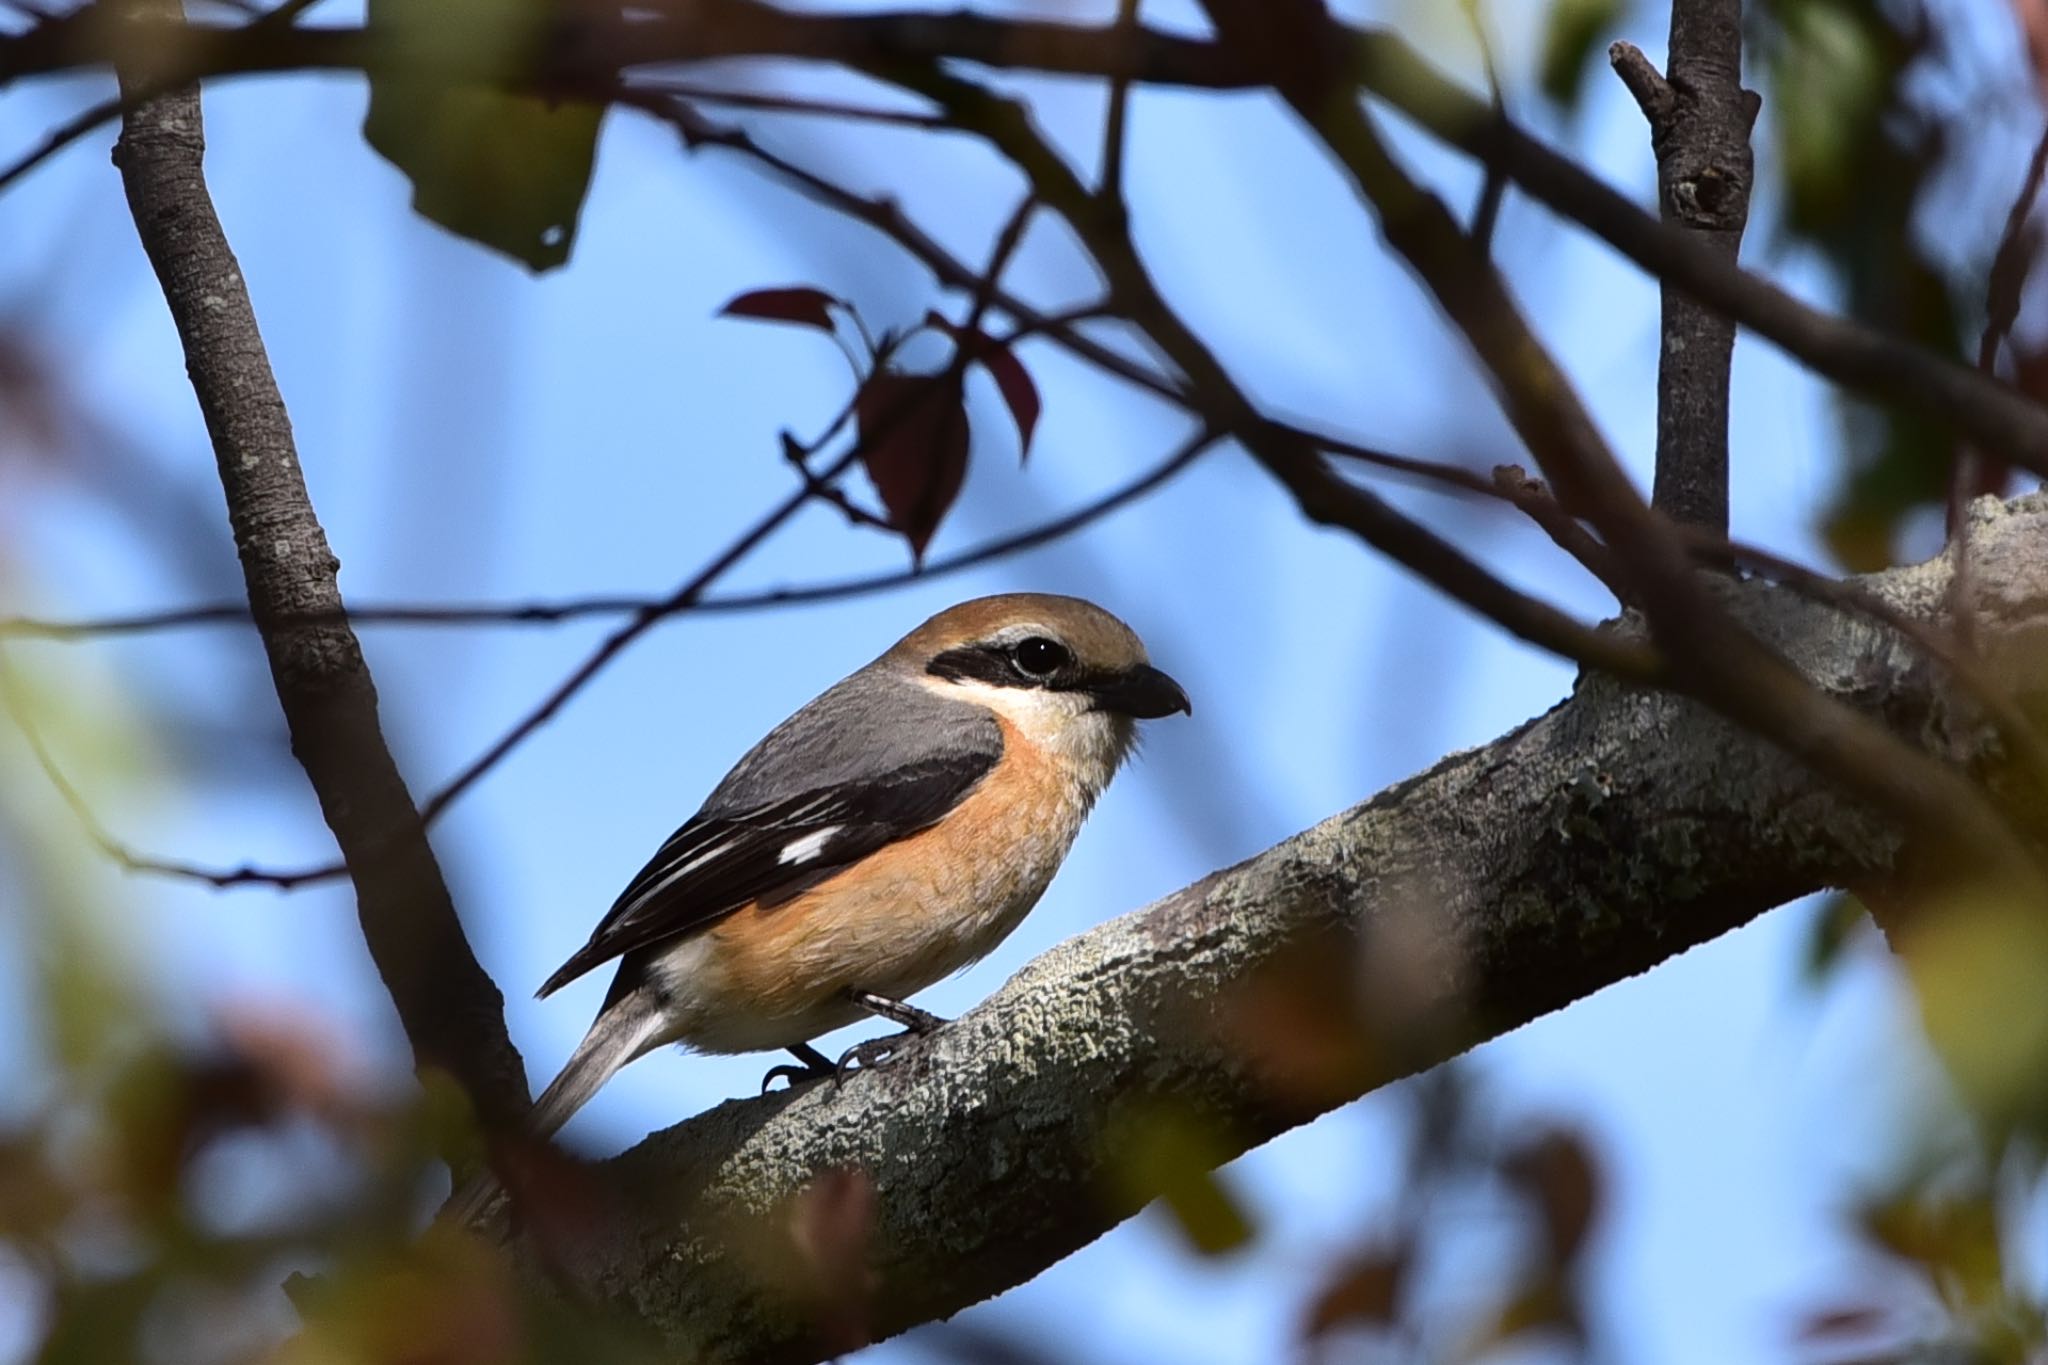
771 976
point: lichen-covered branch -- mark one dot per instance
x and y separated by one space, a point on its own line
1618 830
452 1013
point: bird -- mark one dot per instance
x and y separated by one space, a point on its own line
889 833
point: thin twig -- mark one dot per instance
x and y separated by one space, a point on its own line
1322 495
1001 547
1711 655
1443 478
62 136
17 705
793 104
1110 187
1541 506
1493 191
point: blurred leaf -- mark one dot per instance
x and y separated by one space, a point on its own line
1296 1020
832 1223
508 171
1843 1324
1559 1174
1570 40
913 442
1367 1290
1954 1240
798 304
1544 1303
1169 1155
447 1299
1858 155
1979 965
1841 915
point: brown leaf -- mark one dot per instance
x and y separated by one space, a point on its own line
1368 1290
799 304
1562 1178
913 442
1020 394
832 1223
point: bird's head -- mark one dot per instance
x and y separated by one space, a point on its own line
1066 674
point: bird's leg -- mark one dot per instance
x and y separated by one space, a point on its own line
916 1024
816 1067
911 1017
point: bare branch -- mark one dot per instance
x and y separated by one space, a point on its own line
1700 119
2002 292
1493 190
1713 658
1001 547
452 1013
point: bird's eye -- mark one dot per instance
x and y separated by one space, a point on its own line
1039 657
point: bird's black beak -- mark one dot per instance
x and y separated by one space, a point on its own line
1143 692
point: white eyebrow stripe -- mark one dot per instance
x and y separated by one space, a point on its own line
808 847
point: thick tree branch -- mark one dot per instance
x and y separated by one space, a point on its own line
1700 119
452 1013
1612 833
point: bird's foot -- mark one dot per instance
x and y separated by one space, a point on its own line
815 1066
873 1053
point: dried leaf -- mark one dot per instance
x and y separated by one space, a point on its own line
913 443
1368 1290
1560 1175
798 303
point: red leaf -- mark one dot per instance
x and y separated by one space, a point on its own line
1018 391
913 442
810 307
1012 379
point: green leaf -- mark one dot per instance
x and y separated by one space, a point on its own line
506 170
1569 40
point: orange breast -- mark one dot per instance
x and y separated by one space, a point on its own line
902 918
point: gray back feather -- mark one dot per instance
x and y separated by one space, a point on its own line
868 724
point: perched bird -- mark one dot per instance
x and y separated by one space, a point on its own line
891 832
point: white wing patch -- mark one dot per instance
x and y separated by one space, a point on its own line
807 848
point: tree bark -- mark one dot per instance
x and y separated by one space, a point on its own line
1613 832
1700 119
452 1013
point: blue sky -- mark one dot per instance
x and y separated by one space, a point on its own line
471 433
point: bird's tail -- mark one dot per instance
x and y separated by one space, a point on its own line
624 1029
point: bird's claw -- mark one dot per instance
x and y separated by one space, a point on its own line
798 1075
873 1053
